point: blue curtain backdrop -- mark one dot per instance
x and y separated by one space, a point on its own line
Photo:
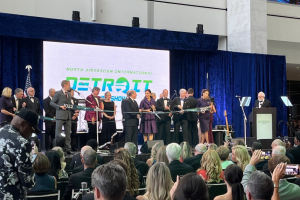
231 74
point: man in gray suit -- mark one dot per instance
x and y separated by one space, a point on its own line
63 115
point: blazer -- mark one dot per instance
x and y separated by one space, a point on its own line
75 102
122 107
76 161
194 161
75 181
296 153
177 168
131 118
58 100
141 166
178 116
160 106
90 114
6 103
49 110
36 106
13 100
80 168
266 104
192 102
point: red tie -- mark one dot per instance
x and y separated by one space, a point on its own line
66 94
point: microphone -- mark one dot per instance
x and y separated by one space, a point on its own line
175 91
237 96
77 92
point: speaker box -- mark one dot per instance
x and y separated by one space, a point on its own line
147 146
115 146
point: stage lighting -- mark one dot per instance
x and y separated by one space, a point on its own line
76 16
135 22
199 29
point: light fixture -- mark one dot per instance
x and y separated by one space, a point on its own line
135 22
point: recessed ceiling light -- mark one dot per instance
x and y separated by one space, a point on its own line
297 67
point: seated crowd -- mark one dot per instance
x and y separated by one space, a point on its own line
174 172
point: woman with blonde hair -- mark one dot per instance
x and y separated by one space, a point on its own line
186 151
61 172
211 168
161 155
241 156
152 160
159 183
6 106
132 176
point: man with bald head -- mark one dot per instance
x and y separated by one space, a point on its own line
31 102
279 142
262 102
50 125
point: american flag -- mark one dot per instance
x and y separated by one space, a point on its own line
28 82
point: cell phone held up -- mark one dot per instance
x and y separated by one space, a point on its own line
292 170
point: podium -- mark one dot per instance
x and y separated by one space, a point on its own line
264 123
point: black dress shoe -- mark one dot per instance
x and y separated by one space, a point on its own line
69 153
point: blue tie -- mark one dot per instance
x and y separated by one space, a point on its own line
182 99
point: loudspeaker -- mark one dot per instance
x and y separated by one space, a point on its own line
147 146
115 146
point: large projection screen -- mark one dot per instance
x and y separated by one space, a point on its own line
114 69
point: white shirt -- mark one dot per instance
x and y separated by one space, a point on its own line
96 100
65 92
182 102
17 102
165 102
31 99
260 103
50 97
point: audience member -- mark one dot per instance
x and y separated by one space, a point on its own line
89 162
61 173
224 156
189 187
233 176
239 142
200 149
213 146
277 150
152 160
295 151
43 181
109 182
240 155
286 190
55 163
279 142
186 151
162 155
139 165
211 168
159 183
133 178
80 168
277 173
6 106
76 159
126 169
15 163
258 146
176 167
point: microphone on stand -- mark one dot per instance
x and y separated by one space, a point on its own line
237 96
175 92
77 92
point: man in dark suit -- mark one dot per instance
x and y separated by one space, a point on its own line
192 118
16 98
262 102
63 115
139 165
123 115
31 102
75 180
295 151
50 125
180 118
194 161
131 119
164 124
74 121
176 167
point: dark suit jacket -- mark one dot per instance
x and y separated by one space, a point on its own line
194 161
80 168
192 102
296 153
75 101
49 110
266 104
131 118
141 166
14 102
177 168
91 197
76 161
36 106
122 107
160 106
178 116
75 181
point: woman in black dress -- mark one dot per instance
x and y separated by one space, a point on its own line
6 106
204 117
108 121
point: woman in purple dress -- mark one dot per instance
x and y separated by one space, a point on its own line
204 117
148 122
